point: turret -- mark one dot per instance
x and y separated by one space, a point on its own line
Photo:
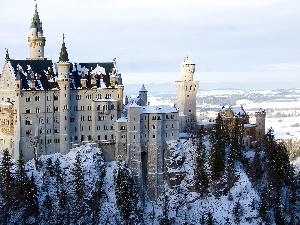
36 40
187 69
143 94
7 55
64 99
186 90
260 123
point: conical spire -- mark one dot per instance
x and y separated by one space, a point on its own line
63 56
7 54
36 22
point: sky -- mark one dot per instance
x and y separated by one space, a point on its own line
151 38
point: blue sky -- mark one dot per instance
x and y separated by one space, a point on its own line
154 36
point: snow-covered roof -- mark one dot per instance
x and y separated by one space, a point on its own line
122 120
133 104
238 111
105 100
158 109
261 111
187 61
249 125
6 103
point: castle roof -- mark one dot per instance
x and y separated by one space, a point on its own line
63 55
237 111
36 22
158 109
143 88
187 61
44 73
26 70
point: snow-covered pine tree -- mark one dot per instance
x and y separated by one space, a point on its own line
46 213
49 167
237 212
78 206
201 176
6 188
126 194
217 150
31 212
63 210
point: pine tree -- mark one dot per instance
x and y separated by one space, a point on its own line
256 167
218 144
235 141
47 211
31 213
78 196
21 185
210 219
237 212
201 176
6 188
125 193
62 212
165 220
49 167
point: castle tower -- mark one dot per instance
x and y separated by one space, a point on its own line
186 90
64 98
155 162
134 143
260 123
143 95
36 40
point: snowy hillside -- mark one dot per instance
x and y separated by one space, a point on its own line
80 188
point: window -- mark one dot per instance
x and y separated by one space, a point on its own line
27 99
37 110
37 98
153 135
89 107
28 122
48 98
55 97
89 118
55 109
28 110
153 126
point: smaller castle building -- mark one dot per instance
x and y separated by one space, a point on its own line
253 134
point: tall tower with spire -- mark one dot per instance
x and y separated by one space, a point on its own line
186 90
63 82
36 40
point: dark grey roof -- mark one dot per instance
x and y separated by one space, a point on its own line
38 67
44 68
63 55
108 66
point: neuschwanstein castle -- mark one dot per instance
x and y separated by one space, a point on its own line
48 107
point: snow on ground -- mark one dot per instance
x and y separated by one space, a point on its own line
283 127
296 163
